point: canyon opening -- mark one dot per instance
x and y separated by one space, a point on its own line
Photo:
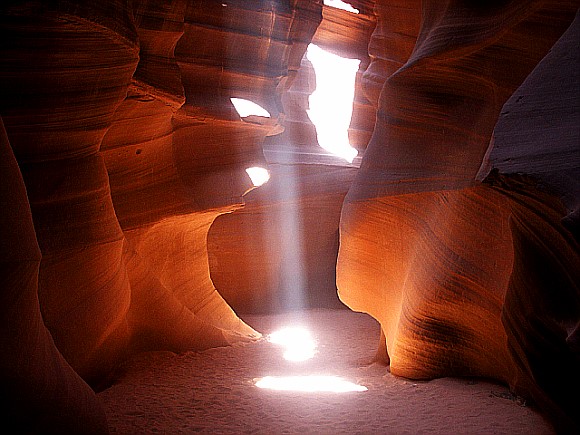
267 216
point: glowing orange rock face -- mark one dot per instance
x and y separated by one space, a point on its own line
127 142
279 251
435 255
130 147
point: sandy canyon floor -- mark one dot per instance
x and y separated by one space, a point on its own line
215 392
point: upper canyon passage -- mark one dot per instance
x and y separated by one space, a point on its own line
175 186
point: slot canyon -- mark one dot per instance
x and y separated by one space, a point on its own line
144 270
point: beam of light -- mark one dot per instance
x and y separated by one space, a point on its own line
298 343
258 175
293 281
309 384
247 108
331 102
341 5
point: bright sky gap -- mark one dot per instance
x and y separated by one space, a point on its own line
247 108
332 101
258 175
341 5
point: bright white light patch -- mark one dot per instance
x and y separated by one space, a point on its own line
258 175
248 108
298 342
309 384
341 5
331 103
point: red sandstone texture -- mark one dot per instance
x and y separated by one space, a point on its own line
123 189
456 270
258 267
40 390
129 148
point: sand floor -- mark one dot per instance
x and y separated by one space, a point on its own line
214 391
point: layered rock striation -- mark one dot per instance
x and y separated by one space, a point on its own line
39 388
534 159
120 120
129 222
65 70
452 267
279 252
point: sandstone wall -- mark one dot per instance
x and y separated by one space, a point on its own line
119 117
279 251
123 189
444 262
36 380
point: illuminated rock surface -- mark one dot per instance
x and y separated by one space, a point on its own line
138 228
104 114
455 270
296 268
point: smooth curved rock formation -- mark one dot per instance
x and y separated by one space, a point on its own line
65 69
459 232
538 134
391 43
541 310
256 267
130 147
41 393
165 199
435 256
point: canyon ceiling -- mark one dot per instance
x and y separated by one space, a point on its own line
128 222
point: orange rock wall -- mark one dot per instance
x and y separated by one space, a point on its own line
537 134
433 254
39 388
57 107
129 148
256 266
127 218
